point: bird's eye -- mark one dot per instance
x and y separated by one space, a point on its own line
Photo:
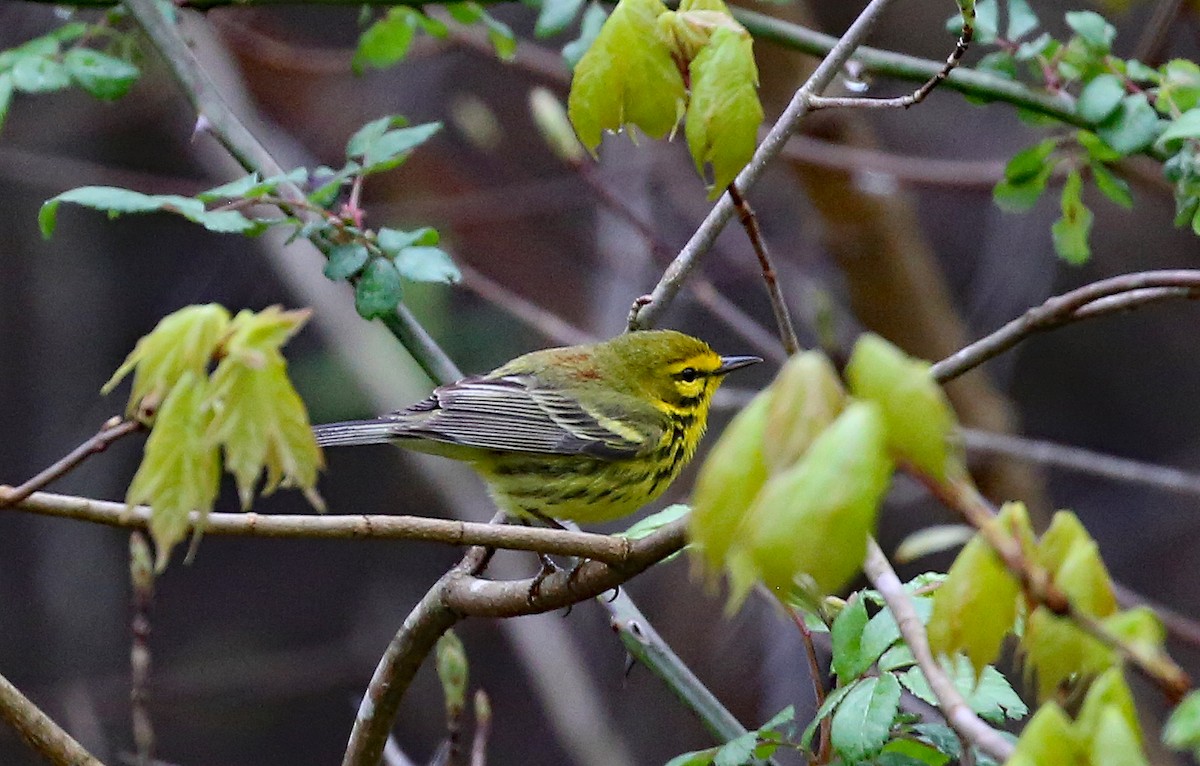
688 374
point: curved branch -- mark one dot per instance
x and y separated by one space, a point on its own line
472 596
1107 296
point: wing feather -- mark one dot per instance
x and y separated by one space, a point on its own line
514 413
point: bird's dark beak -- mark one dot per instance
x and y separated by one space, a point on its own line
731 363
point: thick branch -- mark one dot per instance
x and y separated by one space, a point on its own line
39 731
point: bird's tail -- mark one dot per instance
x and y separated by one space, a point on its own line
350 433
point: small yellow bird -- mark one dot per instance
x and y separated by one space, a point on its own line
584 433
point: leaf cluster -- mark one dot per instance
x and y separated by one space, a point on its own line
376 262
1127 107
648 67
790 493
982 601
92 57
214 390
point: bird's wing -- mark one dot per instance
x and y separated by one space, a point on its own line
515 413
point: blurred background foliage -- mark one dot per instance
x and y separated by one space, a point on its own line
881 221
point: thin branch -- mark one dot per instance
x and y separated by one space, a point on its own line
783 318
1081 460
917 96
608 548
141 576
646 313
646 646
958 713
112 430
546 322
39 731
1107 296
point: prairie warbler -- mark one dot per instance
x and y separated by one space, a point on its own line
581 433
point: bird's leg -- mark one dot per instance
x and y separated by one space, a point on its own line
548 565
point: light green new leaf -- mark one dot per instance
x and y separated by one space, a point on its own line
421 263
1186 126
180 470
1182 730
1133 127
1109 692
809 525
729 481
1049 738
976 606
807 396
259 419
724 113
862 722
627 77
1057 651
1100 97
1073 560
920 421
1111 185
386 42
450 659
1071 232
182 343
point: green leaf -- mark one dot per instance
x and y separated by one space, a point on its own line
738 751
846 635
345 261
501 36
1111 186
694 758
899 656
807 396
1180 86
1108 692
360 143
1116 742
730 478
117 201
1057 651
450 660
1030 163
589 30
1021 19
1133 127
862 722
105 77
382 150
1042 45
259 420
1100 98
426 264
1071 231
6 94
832 700
809 525
987 22
1093 29
920 422
627 77
180 469
1017 197
724 113
1185 126
378 291
39 74
976 606
392 241
555 16
386 42
1097 150
908 752
182 343
656 521
1182 730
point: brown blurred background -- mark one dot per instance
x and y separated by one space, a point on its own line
261 648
